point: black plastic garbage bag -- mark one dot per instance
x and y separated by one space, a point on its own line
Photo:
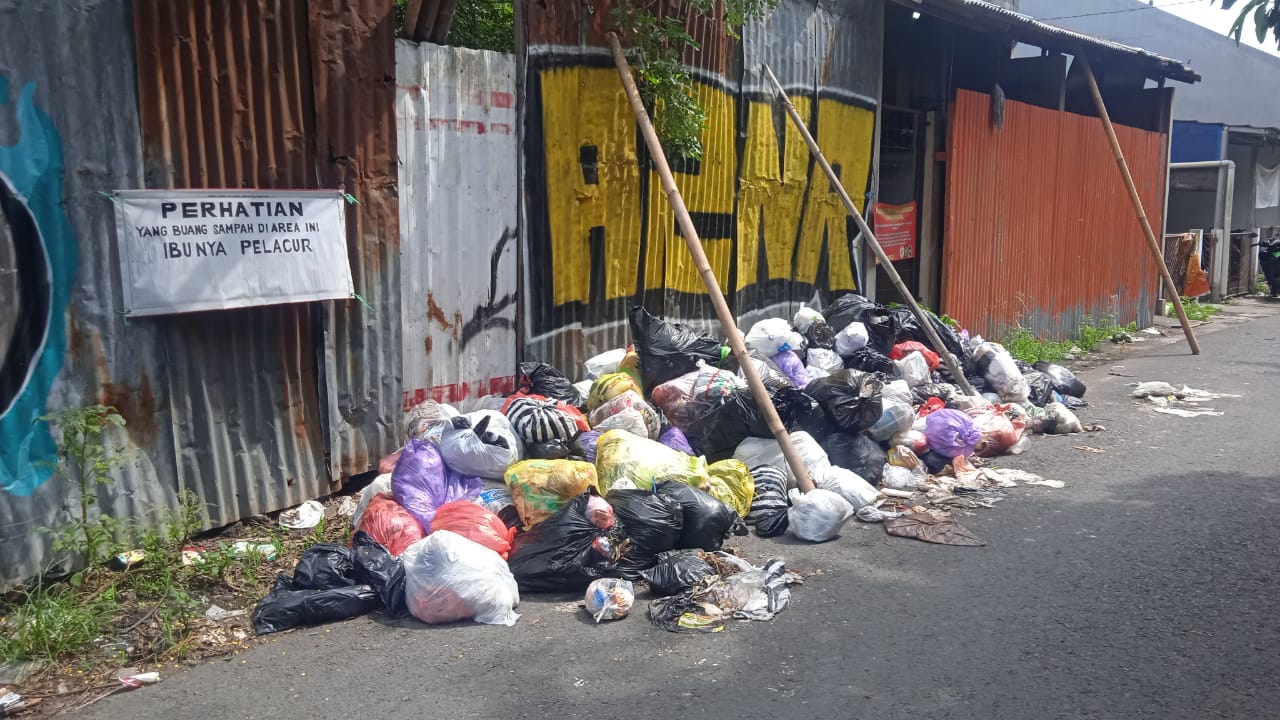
934 461
1074 403
676 571
565 552
850 398
719 432
541 379
820 335
552 449
324 566
668 350
651 524
1064 381
872 361
920 394
858 453
707 521
907 327
800 412
769 506
380 570
1041 386
288 606
879 322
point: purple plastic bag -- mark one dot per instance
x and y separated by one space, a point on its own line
587 442
675 439
793 367
951 433
422 482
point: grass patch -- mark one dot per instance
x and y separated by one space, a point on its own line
1197 312
1030 348
1262 287
50 622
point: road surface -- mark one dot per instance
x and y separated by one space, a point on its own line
1147 587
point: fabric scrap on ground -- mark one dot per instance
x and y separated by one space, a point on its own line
927 528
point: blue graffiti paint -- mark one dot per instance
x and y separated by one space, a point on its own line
33 168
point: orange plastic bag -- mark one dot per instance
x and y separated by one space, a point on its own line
388 522
1197 283
999 431
475 523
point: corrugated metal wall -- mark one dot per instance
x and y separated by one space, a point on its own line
455 109
69 130
272 405
599 234
1039 227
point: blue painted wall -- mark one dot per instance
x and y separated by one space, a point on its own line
1195 142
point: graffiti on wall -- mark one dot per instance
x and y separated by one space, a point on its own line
38 257
455 118
603 236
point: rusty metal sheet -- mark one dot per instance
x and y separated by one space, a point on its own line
69 128
353 75
1039 227
600 235
456 117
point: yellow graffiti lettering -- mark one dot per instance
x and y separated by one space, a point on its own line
843 132
771 195
586 108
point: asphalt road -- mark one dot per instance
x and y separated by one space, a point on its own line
1147 587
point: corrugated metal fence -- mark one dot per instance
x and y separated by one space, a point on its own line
1066 244
254 410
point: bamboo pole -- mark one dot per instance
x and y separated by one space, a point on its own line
870 238
694 244
1152 245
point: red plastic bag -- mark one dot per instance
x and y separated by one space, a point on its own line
473 522
999 431
390 524
388 462
904 349
930 406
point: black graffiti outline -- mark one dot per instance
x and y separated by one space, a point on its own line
485 317
35 297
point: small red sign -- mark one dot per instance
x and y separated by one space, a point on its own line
896 229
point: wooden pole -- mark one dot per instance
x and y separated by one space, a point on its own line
694 244
870 238
1152 245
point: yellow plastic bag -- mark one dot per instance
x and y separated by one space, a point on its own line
732 484
540 487
623 456
610 386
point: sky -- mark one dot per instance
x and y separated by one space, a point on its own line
1215 18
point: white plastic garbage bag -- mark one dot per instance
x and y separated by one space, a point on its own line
479 444
448 578
847 484
817 515
851 339
603 364
900 478
897 390
805 317
380 484
754 452
914 369
821 362
895 417
1002 373
772 336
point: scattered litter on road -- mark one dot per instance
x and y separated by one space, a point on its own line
1046 483
304 517
930 529
1086 448
217 613
11 703
140 679
1179 412
755 594
609 599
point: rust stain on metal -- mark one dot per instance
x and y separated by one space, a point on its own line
137 405
436 313
1039 228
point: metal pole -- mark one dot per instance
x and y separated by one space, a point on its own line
1137 205
694 244
870 239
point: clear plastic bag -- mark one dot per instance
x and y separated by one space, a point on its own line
895 417
818 515
772 336
766 451
609 599
914 369
450 578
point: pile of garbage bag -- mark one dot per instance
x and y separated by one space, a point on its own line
634 478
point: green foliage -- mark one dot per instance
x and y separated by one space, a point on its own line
656 44
52 622
1262 15
1261 286
484 25
1023 345
1197 312
85 460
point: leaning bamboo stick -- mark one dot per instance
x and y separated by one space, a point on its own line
1152 245
694 244
870 239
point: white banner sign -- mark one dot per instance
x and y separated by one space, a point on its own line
189 250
